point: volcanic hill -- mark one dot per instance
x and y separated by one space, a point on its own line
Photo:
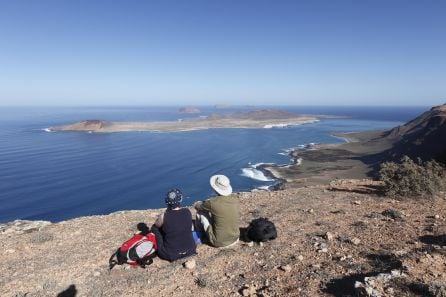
424 137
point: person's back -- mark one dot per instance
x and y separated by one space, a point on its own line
177 233
225 216
219 216
173 229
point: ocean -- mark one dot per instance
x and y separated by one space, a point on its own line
62 175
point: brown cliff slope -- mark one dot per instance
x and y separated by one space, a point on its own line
423 137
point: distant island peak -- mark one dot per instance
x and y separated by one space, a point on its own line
189 109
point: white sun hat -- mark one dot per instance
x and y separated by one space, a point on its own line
220 183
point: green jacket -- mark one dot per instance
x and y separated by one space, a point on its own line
225 219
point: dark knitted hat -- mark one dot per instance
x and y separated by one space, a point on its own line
174 197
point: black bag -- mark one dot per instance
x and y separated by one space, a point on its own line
261 229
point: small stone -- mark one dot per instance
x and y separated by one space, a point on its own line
250 244
436 216
357 202
96 273
248 290
286 268
355 241
329 236
392 214
323 250
190 264
401 253
261 244
300 258
390 291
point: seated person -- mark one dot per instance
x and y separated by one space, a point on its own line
219 216
173 229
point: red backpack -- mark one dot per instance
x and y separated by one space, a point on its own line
138 250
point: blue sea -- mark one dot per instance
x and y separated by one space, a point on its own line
61 175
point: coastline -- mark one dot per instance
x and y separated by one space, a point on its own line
322 163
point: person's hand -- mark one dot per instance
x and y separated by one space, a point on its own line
159 220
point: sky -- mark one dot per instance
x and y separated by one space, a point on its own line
317 52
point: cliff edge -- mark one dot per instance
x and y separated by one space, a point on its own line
322 249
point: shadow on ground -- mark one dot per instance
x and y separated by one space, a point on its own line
71 291
433 239
381 262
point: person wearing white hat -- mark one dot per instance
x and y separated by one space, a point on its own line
219 216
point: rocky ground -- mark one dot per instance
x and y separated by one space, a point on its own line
337 240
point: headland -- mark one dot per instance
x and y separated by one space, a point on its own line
423 137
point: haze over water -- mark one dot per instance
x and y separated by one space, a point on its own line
57 176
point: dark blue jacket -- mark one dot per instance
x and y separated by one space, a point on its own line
174 237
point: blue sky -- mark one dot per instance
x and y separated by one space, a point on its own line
233 52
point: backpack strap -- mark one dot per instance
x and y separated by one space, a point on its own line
146 261
112 262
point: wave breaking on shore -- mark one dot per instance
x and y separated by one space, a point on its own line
260 172
255 172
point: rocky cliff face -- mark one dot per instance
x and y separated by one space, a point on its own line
424 136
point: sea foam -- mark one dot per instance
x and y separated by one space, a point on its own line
254 173
270 126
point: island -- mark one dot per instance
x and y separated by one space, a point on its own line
189 109
267 118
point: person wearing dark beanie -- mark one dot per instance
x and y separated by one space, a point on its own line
173 229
